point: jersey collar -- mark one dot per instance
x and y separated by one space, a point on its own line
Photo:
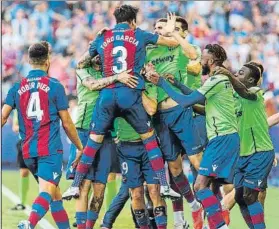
36 73
122 26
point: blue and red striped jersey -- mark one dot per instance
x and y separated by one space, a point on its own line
38 98
121 49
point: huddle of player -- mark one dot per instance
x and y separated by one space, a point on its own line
112 84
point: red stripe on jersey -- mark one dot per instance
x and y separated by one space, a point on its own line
131 50
44 130
108 57
28 125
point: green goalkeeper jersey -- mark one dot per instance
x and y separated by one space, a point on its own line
125 132
170 60
86 98
252 124
220 106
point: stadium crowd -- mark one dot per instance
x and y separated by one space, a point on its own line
247 30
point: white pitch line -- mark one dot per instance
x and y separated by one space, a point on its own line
43 223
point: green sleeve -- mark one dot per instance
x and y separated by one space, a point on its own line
84 73
212 86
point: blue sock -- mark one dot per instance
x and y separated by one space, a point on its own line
59 215
161 217
257 215
81 220
92 216
86 161
211 205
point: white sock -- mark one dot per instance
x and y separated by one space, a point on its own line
195 205
178 217
224 227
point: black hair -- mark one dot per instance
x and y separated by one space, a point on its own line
184 24
218 53
255 72
125 13
38 53
257 64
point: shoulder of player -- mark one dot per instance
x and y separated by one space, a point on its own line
219 78
151 47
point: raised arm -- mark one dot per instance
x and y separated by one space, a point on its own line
188 49
239 87
85 61
273 120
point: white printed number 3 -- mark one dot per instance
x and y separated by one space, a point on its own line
34 107
121 59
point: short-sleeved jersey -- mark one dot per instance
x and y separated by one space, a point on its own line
194 81
252 124
125 131
122 49
170 60
86 98
220 106
38 99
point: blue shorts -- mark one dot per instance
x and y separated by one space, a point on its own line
100 169
220 157
135 165
49 168
200 123
252 171
120 102
175 128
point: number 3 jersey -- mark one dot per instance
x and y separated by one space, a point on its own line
121 49
37 99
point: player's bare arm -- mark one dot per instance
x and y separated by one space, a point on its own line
6 111
238 86
71 132
98 84
84 61
188 49
273 120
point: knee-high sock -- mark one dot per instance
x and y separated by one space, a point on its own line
155 157
257 215
211 205
59 215
184 187
142 218
86 161
92 217
246 215
23 189
110 192
177 205
161 217
39 208
81 220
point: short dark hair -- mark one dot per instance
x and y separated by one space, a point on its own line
184 24
257 64
38 53
256 72
218 53
125 13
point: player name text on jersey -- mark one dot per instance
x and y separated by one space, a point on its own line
129 39
31 85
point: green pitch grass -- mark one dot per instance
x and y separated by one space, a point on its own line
10 219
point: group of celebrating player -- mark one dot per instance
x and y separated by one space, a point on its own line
127 82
